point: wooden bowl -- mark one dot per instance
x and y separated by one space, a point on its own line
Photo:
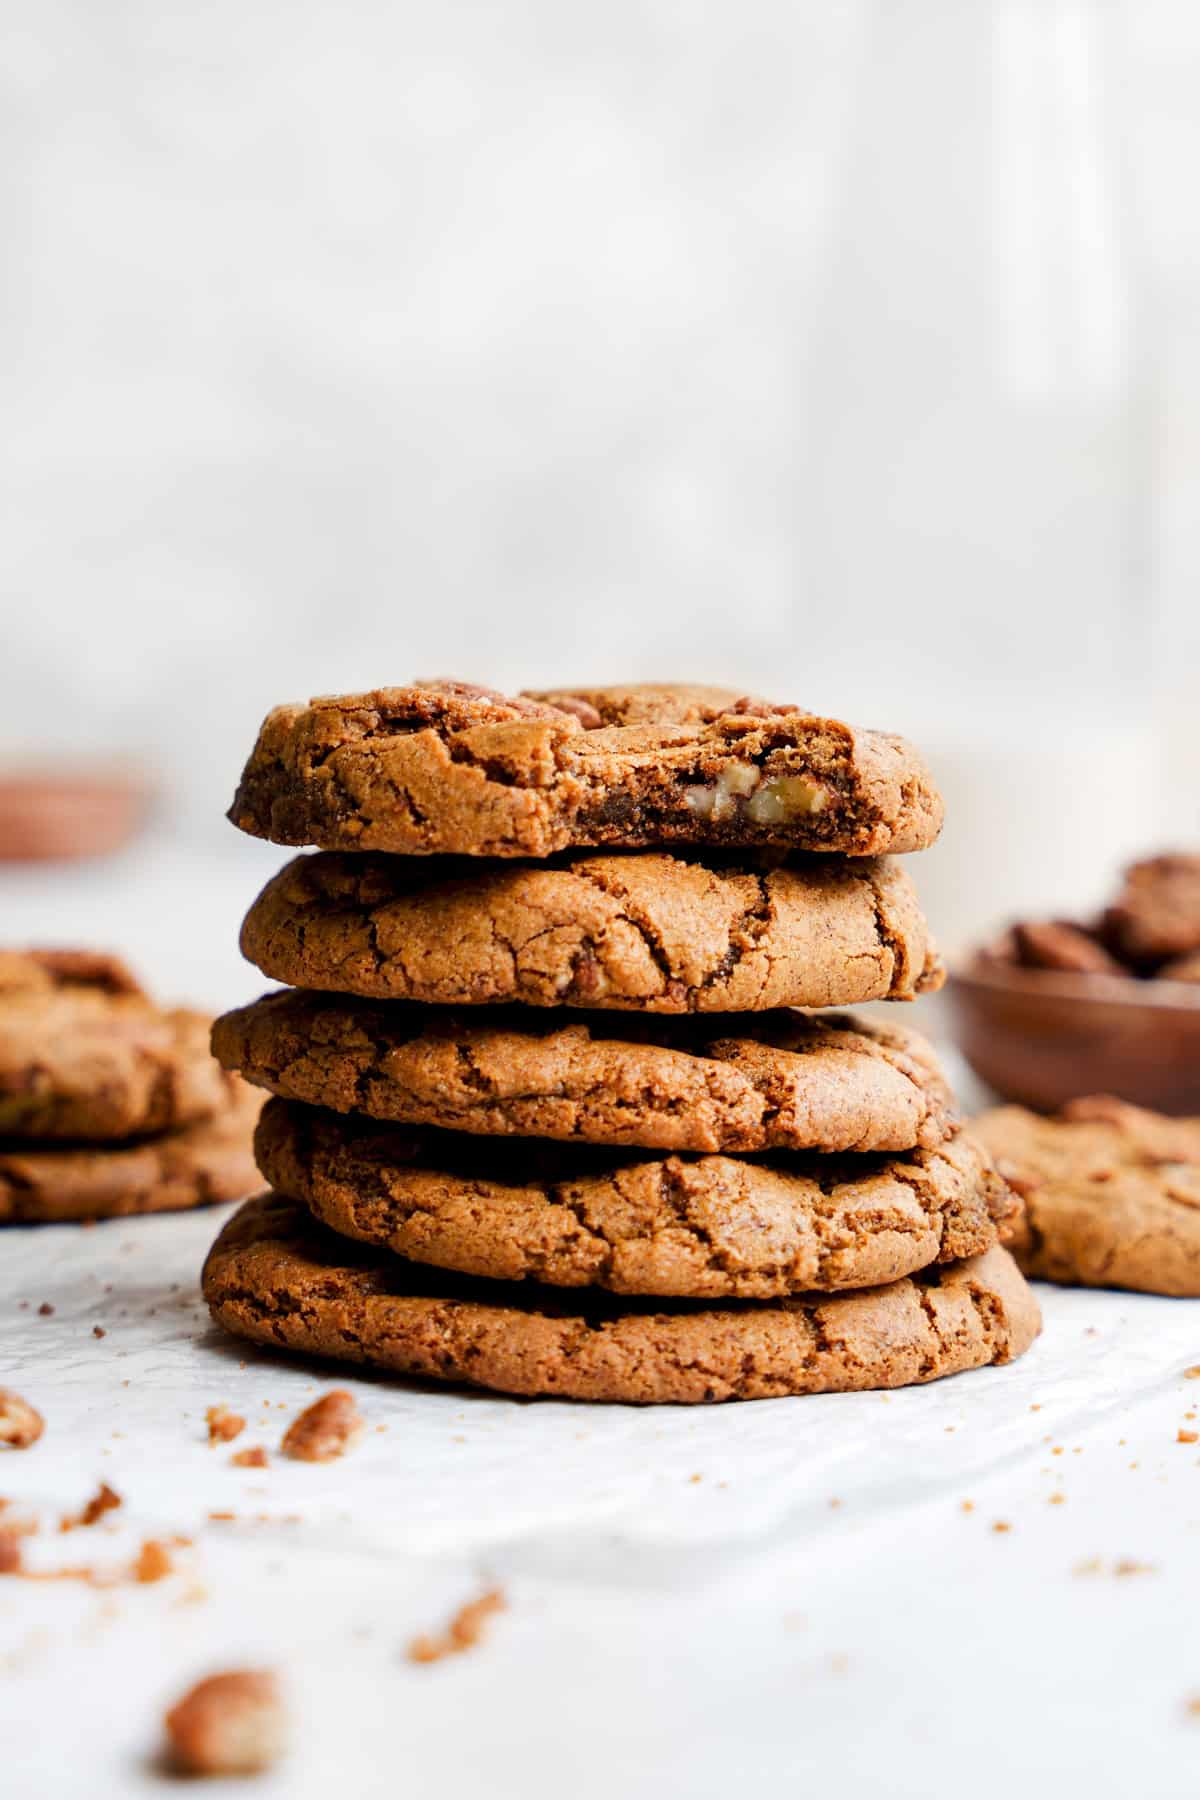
60 814
1042 1037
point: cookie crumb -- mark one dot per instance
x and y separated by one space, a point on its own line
325 1430
1191 1705
221 1517
104 1500
1057 1499
255 1457
45 1310
20 1424
10 1553
98 1331
223 1425
1193 1374
968 1506
463 1632
230 1724
1129 1565
153 1562
1187 1437
1002 1525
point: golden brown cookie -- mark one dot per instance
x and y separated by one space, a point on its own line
197 1164
442 766
635 931
745 1081
84 1053
277 1277
1111 1194
570 1216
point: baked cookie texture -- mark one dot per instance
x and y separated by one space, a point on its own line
278 1278
445 767
746 1082
704 1226
194 1166
643 931
86 1054
1110 1194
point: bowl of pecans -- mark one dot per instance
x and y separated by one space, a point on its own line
1054 1009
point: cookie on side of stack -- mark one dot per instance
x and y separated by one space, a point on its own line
1110 1194
544 1118
110 1105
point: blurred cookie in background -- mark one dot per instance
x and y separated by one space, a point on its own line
109 1103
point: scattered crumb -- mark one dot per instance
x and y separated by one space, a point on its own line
223 1425
1002 1525
1057 1450
231 1724
221 1516
1191 1705
1129 1566
325 1430
694 1478
1091 1565
1036 1406
20 1424
1193 1373
10 1552
98 1331
104 1500
463 1632
45 1310
968 1506
839 1664
1187 1437
834 1504
153 1562
253 1458
1057 1499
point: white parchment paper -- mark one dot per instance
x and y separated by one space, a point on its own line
781 1594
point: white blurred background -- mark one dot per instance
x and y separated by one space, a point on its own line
847 352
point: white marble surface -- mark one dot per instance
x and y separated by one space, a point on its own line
819 1607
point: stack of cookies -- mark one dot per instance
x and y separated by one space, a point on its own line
546 1118
109 1104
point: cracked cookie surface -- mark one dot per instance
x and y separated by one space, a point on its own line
635 931
1110 1193
86 1054
703 1226
444 767
755 1081
277 1277
198 1164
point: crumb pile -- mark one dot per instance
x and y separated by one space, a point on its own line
545 1115
109 1103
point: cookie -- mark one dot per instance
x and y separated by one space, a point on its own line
1111 1194
445 767
568 1216
277 1277
1156 916
84 1053
748 1081
1057 944
635 931
199 1163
